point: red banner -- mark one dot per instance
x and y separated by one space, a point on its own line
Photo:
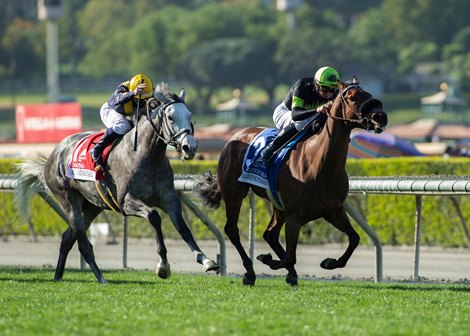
47 122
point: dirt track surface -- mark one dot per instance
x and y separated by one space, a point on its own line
436 264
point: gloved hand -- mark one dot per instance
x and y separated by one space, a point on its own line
140 89
325 108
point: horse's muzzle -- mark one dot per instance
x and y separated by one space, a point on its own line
379 120
188 147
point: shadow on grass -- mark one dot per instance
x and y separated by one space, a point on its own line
16 271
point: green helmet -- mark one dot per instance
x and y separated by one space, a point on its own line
327 76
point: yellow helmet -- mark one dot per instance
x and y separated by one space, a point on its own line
142 79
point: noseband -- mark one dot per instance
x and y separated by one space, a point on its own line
163 125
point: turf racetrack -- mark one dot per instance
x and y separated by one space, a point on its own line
138 303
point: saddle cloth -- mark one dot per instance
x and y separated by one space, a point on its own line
256 172
80 165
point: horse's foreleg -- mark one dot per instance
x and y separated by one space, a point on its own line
340 220
173 208
271 236
135 207
163 268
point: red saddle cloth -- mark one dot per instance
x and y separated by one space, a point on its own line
81 166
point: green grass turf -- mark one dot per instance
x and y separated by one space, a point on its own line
138 303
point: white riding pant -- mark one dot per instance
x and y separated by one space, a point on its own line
114 120
282 117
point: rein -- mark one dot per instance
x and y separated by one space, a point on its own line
163 122
357 112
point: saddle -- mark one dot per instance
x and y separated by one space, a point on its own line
264 175
82 167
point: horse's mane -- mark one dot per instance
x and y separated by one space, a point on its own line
165 91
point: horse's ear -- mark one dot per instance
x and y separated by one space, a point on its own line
182 94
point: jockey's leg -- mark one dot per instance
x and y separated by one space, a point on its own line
96 153
285 135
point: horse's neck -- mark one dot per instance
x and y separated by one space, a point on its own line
148 143
333 144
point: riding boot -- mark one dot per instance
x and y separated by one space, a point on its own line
97 152
285 135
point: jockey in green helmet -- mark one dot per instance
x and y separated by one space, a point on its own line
308 99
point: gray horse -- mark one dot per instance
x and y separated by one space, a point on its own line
137 180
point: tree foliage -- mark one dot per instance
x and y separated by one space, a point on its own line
378 38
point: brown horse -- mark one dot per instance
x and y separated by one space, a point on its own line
312 181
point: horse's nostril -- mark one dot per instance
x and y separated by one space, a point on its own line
185 148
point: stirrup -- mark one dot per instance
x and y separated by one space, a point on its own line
98 167
98 163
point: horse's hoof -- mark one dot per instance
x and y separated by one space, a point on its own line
292 280
163 271
247 281
329 264
210 265
276 264
265 258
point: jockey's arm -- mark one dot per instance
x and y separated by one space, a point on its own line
301 114
121 96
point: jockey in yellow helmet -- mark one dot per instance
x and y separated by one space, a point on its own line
122 104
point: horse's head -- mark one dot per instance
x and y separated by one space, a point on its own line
360 108
174 119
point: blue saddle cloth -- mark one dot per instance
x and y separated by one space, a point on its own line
256 172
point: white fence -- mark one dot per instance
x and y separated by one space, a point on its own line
417 185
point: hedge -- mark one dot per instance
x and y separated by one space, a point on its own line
392 216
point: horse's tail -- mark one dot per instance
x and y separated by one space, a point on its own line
29 181
208 189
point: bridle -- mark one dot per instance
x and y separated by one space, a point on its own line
358 112
164 125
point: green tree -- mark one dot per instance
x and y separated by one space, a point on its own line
415 53
457 60
105 27
217 63
24 44
71 48
371 44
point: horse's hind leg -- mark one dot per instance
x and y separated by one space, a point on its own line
340 220
69 238
271 236
72 206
